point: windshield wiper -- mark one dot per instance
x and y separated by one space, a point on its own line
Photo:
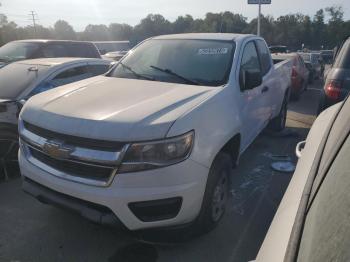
168 71
135 73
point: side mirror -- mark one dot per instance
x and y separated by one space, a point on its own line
250 79
299 148
112 64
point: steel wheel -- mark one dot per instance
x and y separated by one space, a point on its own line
220 197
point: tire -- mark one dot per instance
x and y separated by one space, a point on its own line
216 195
321 104
8 152
306 85
295 96
278 123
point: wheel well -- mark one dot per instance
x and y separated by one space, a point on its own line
232 148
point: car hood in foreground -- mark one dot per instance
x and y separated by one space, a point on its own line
114 108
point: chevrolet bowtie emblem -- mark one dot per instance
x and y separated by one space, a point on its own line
56 149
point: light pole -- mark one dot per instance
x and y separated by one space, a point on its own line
259 18
259 2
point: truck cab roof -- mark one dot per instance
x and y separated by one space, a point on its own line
206 36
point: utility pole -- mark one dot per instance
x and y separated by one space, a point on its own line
32 14
259 2
259 18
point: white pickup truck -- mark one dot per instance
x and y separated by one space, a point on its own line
152 143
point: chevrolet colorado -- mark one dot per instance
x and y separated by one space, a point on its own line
152 142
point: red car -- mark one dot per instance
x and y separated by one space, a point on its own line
300 73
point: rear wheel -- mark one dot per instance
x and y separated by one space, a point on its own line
279 122
216 195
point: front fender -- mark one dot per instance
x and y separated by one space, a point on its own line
215 121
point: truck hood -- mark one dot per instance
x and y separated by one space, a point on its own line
114 109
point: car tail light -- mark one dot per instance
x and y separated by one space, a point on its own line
333 89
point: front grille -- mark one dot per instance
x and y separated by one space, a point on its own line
73 168
74 140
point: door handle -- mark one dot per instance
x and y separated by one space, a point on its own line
264 89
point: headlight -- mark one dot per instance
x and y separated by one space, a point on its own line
156 154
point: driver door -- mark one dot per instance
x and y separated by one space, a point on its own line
252 104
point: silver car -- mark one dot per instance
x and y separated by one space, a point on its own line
23 79
312 221
315 64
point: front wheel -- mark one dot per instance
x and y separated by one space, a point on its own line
216 195
279 122
8 152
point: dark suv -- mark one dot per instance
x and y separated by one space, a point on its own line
30 49
337 83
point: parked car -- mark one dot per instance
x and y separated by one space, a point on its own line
315 63
114 56
23 79
312 221
327 56
278 49
337 82
300 73
112 46
39 48
154 140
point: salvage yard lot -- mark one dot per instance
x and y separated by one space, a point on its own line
31 231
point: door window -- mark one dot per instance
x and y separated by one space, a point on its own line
66 77
98 69
54 50
265 57
250 61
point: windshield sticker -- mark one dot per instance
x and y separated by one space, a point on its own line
213 51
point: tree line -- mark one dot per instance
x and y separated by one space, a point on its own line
324 30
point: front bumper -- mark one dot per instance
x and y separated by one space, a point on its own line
88 210
186 180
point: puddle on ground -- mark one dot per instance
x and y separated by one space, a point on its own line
283 166
256 181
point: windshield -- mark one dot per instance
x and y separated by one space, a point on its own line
112 47
17 51
203 62
343 58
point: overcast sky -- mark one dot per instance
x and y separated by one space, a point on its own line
79 13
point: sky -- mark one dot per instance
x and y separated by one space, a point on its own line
80 13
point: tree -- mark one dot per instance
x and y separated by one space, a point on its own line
183 24
268 30
152 25
335 30
96 33
63 30
232 23
318 29
306 31
120 31
326 28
